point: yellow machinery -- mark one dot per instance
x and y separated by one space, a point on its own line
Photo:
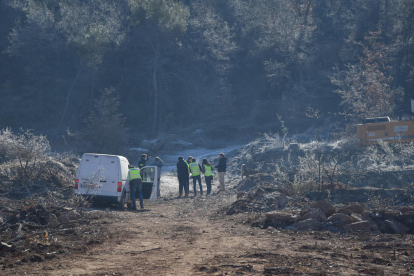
391 132
384 129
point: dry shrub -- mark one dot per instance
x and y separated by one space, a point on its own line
27 166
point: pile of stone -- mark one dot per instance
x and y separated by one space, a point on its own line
264 199
324 216
283 210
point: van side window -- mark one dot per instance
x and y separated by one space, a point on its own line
124 170
148 174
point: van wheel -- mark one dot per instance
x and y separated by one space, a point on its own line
121 204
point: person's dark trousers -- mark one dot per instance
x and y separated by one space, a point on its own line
140 196
134 188
208 183
195 179
187 186
182 186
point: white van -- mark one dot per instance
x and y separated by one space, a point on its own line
104 177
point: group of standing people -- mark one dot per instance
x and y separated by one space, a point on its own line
185 169
193 168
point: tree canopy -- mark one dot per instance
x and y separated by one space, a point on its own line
177 64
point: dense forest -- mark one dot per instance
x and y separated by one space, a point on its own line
134 69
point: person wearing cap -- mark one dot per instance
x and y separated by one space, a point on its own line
208 174
159 163
135 184
221 168
143 161
196 169
183 177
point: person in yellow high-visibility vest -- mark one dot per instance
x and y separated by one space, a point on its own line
135 184
195 169
208 174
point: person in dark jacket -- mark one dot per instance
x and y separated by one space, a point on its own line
221 168
143 161
183 177
189 160
208 174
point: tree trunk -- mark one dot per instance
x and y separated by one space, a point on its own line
68 97
156 92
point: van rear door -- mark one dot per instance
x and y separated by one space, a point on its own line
109 175
90 174
149 182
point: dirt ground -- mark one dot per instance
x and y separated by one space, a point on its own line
193 236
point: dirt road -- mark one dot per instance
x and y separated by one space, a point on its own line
194 236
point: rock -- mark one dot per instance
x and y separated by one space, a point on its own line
318 195
356 208
290 228
407 218
345 211
325 207
275 198
270 199
241 195
259 192
70 224
239 206
36 258
393 227
362 226
63 219
339 219
308 225
315 213
278 219
286 191
401 200
282 200
357 218
407 209
72 215
347 195
273 207
372 223
54 223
